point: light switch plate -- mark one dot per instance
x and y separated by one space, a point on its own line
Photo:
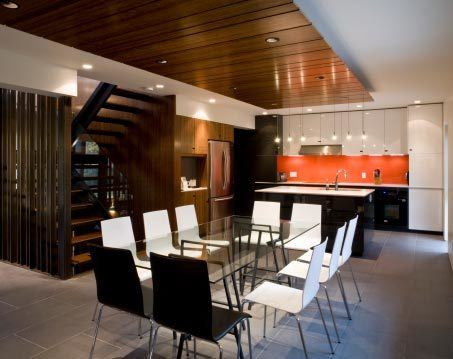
293 174
363 175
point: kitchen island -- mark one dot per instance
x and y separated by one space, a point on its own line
338 206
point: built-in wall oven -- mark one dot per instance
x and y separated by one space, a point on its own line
391 208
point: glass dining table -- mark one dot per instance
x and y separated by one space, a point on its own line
231 246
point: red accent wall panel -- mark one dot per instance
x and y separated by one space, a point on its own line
323 168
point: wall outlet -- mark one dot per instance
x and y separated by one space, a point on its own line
363 175
293 174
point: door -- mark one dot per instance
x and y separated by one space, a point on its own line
219 168
220 207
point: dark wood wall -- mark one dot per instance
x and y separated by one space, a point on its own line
35 181
145 155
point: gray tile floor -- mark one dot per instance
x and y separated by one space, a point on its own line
406 313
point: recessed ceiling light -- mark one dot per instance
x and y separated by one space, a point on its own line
319 77
212 100
367 113
272 40
149 88
417 101
162 61
359 106
265 113
87 66
9 4
309 110
160 86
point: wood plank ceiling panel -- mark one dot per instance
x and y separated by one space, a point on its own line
216 45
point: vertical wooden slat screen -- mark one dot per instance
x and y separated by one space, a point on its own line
35 181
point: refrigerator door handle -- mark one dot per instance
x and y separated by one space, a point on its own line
223 199
224 159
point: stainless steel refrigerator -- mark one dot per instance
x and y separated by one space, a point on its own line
220 186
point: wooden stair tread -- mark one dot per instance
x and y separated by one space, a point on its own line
131 95
105 133
121 108
81 205
86 237
81 258
85 220
113 120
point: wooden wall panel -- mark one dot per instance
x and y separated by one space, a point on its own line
35 181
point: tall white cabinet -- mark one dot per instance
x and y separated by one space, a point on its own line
425 147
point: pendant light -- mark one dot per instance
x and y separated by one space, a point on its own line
277 138
364 136
290 138
320 129
334 135
384 144
301 125
348 136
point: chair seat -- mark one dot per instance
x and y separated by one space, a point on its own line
147 293
144 274
300 270
254 236
303 242
277 296
306 257
223 320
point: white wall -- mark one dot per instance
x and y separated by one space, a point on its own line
217 112
21 73
448 116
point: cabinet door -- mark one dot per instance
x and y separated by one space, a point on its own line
374 130
352 123
395 131
291 129
201 206
424 128
227 132
201 136
426 209
311 129
425 170
330 124
185 134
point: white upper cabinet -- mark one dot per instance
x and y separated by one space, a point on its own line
424 129
395 131
374 131
352 124
330 126
311 129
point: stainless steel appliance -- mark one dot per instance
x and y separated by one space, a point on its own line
220 186
320 150
391 208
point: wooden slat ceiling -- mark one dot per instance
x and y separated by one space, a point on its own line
216 45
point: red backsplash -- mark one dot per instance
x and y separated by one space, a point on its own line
324 168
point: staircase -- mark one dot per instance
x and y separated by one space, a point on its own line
99 190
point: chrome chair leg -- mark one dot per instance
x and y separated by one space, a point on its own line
343 294
264 321
299 325
140 334
355 282
249 335
152 338
275 318
239 342
96 330
187 346
331 313
325 326
95 311
195 348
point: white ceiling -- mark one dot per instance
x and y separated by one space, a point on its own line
110 71
402 50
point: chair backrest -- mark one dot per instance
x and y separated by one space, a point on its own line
311 284
182 296
117 280
157 224
350 233
265 212
186 217
117 232
304 212
336 250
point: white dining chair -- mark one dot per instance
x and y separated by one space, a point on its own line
186 217
300 270
305 213
346 253
293 300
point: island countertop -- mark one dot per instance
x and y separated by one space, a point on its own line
318 191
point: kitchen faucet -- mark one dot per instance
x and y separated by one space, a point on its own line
336 177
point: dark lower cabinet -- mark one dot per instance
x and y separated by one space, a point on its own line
335 211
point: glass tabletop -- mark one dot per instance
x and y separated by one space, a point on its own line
228 244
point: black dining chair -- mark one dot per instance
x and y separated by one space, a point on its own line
183 303
118 285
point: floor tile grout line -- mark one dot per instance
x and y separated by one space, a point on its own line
29 341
